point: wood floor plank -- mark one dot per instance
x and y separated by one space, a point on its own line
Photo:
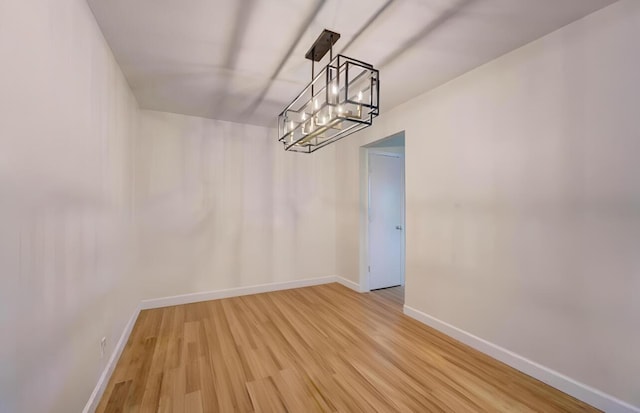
265 396
315 349
193 402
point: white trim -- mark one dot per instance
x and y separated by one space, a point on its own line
363 253
365 152
551 377
233 292
349 284
96 395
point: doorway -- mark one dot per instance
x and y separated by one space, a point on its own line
384 215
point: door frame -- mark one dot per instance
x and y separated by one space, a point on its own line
365 153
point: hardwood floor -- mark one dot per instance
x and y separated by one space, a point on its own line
315 349
394 294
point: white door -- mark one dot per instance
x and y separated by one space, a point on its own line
386 216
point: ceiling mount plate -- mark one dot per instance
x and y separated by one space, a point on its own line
322 45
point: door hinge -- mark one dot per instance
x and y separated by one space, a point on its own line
369 268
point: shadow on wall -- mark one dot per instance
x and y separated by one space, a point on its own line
221 205
69 260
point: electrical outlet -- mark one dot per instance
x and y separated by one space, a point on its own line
103 345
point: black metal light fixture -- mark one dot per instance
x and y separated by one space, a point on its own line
341 99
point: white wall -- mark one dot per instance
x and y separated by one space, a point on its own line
222 205
522 203
523 200
102 206
67 123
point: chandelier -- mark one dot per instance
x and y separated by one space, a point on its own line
341 99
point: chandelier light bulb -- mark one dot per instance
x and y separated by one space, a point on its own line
334 89
316 104
360 96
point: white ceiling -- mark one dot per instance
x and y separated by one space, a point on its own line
243 60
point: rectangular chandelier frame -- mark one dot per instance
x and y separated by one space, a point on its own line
341 99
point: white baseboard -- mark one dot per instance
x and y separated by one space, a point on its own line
232 292
572 387
348 283
96 395
551 377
